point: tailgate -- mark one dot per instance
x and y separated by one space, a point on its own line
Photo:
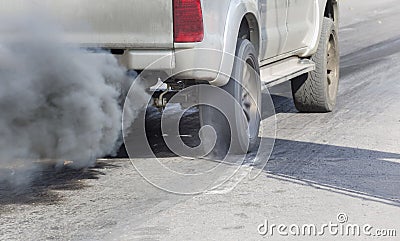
106 23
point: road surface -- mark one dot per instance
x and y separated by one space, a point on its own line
346 162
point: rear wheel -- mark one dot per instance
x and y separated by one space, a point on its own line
317 90
240 134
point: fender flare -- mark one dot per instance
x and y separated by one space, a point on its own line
320 7
237 11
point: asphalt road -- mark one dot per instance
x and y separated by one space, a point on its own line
322 165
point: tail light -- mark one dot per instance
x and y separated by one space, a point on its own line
188 21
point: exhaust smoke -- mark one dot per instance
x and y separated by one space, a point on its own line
57 100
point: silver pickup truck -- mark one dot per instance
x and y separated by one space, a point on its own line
281 40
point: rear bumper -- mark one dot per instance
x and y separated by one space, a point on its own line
148 59
191 63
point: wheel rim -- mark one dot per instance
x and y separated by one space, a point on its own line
332 67
249 98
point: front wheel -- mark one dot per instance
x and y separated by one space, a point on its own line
317 90
240 134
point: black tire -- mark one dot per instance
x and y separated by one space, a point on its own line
317 90
243 139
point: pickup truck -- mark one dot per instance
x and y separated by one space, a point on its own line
282 40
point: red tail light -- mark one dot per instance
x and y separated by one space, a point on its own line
188 21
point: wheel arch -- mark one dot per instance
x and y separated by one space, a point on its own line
332 11
323 8
250 30
243 18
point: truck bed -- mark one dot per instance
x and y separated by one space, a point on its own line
135 24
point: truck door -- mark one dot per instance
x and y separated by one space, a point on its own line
300 20
273 27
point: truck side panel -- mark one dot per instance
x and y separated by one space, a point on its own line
104 23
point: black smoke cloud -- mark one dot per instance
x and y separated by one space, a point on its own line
57 100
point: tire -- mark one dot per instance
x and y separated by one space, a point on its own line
244 136
317 90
